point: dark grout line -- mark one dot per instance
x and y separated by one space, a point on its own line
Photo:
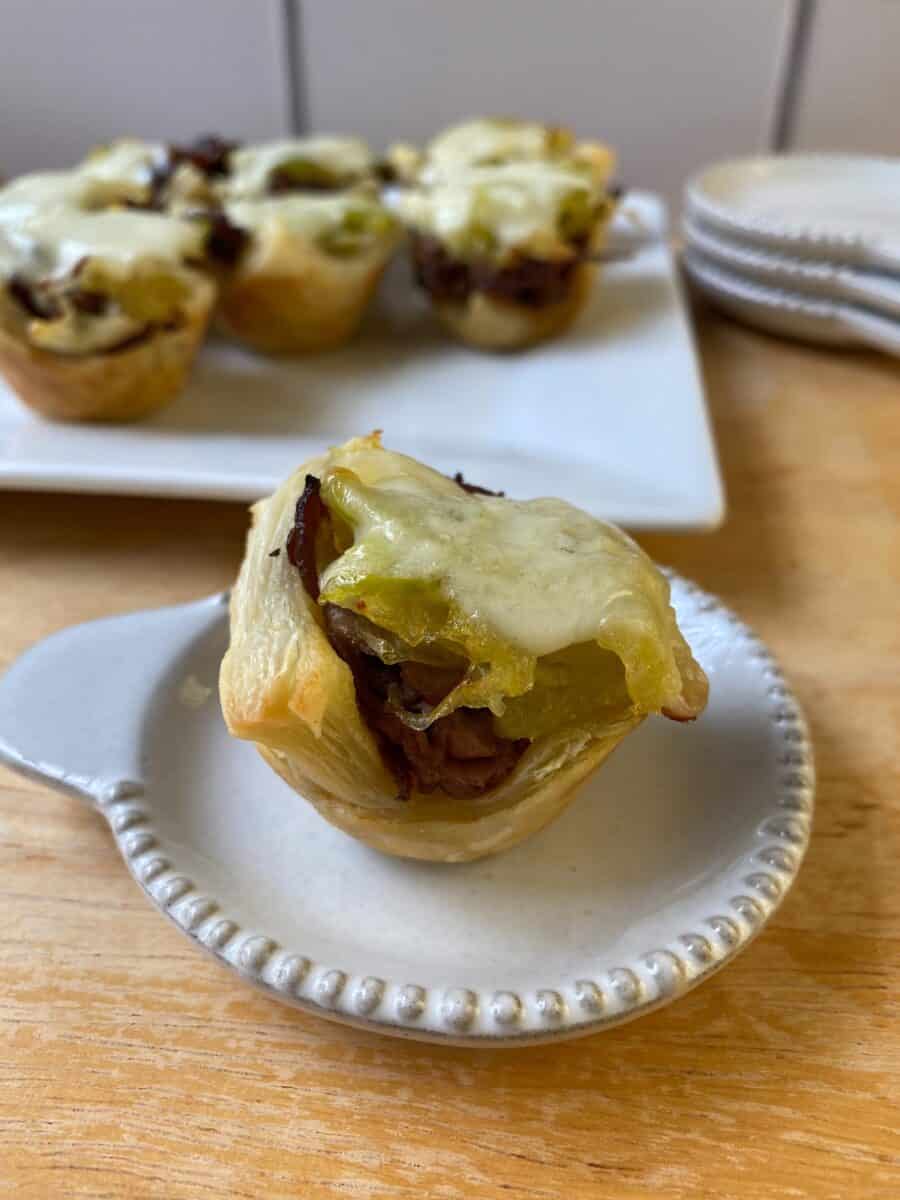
793 71
292 32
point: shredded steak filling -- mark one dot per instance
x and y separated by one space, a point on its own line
209 154
43 300
385 172
532 282
36 301
460 754
225 241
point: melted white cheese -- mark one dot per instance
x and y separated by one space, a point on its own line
108 178
485 139
42 192
251 166
524 580
54 241
540 573
306 213
49 224
9 256
124 164
518 202
124 171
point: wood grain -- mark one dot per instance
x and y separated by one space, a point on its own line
130 1066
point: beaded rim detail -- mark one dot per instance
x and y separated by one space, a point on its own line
847 249
507 1017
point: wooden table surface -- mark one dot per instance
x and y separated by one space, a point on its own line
132 1066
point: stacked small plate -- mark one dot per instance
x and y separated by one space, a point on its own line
803 245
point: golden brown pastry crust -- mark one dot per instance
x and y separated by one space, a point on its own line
120 385
311 301
425 828
282 686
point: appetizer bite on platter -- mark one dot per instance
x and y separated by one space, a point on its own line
507 218
437 668
317 242
309 268
100 312
505 252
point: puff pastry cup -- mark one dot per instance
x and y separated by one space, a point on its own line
318 240
308 273
437 669
102 306
127 383
508 219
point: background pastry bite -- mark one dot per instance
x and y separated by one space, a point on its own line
309 269
505 251
100 315
437 671
136 378
316 242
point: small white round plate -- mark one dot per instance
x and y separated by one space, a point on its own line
672 858
792 314
819 280
840 207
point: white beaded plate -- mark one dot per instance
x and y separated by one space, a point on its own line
793 314
812 279
670 860
838 208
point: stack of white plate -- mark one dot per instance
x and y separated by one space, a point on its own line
804 245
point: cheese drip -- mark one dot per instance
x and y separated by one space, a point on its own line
510 582
514 205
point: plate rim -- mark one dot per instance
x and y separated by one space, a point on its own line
800 237
451 1015
718 280
813 279
776 309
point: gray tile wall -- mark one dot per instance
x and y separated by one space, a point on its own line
672 83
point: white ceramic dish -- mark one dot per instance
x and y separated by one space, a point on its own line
844 208
777 310
669 861
820 280
612 416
